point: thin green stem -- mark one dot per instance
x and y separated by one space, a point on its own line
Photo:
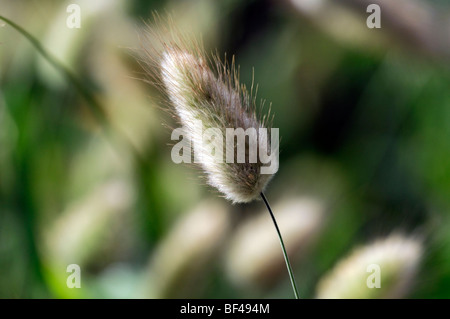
87 95
286 258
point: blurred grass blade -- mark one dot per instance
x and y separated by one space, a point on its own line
87 95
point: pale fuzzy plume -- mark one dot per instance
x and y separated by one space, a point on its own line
180 260
218 100
254 258
85 227
398 258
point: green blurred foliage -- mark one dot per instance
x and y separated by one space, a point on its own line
365 128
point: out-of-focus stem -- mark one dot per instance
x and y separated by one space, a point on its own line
87 95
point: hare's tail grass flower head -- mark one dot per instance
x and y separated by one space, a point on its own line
201 88
394 259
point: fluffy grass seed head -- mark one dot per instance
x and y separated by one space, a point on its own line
204 88
179 263
396 257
